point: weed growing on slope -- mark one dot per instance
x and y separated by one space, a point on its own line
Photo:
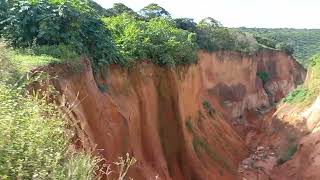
189 124
305 94
33 143
292 149
264 76
206 104
298 95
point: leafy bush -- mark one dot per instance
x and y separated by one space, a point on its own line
264 76
189 124
206 104
211 36
158 40
285 47
186 24
72 23
244 42
266 42
292 149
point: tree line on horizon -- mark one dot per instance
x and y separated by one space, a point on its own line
305 42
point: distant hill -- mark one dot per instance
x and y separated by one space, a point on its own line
306 42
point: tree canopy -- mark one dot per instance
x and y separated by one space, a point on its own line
158 40
120 35
154 10
304 42
119 8
74 23
186 24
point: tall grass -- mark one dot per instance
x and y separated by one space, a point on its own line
33 143
306 93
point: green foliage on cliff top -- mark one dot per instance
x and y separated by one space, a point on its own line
58 22
157 40
150 33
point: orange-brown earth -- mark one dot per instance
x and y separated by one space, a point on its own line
189 122
291 125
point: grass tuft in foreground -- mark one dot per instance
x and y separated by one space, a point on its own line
33 144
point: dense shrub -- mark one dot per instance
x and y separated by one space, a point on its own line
285 156
186 24
72 23
264 76
214 39
158 40
206 104
285 47
211 36
244 42
266 42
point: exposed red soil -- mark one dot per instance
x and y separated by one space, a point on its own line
161 116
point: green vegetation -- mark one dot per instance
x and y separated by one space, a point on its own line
154 11
212 37
292 149
305 94
26 59
71 23
200 144
304 42
298 95
206 105
264 76
118 9
118 35
189 124
158 40
33 143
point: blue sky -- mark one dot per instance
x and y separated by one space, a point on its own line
236 13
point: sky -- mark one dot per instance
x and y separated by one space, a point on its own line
239 13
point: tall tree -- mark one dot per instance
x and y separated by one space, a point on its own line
186 24
96 7
210 22
119 8
154 10
213 36
3 14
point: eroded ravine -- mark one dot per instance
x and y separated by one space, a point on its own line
187 122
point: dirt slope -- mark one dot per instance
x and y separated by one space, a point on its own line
289 128
177 122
